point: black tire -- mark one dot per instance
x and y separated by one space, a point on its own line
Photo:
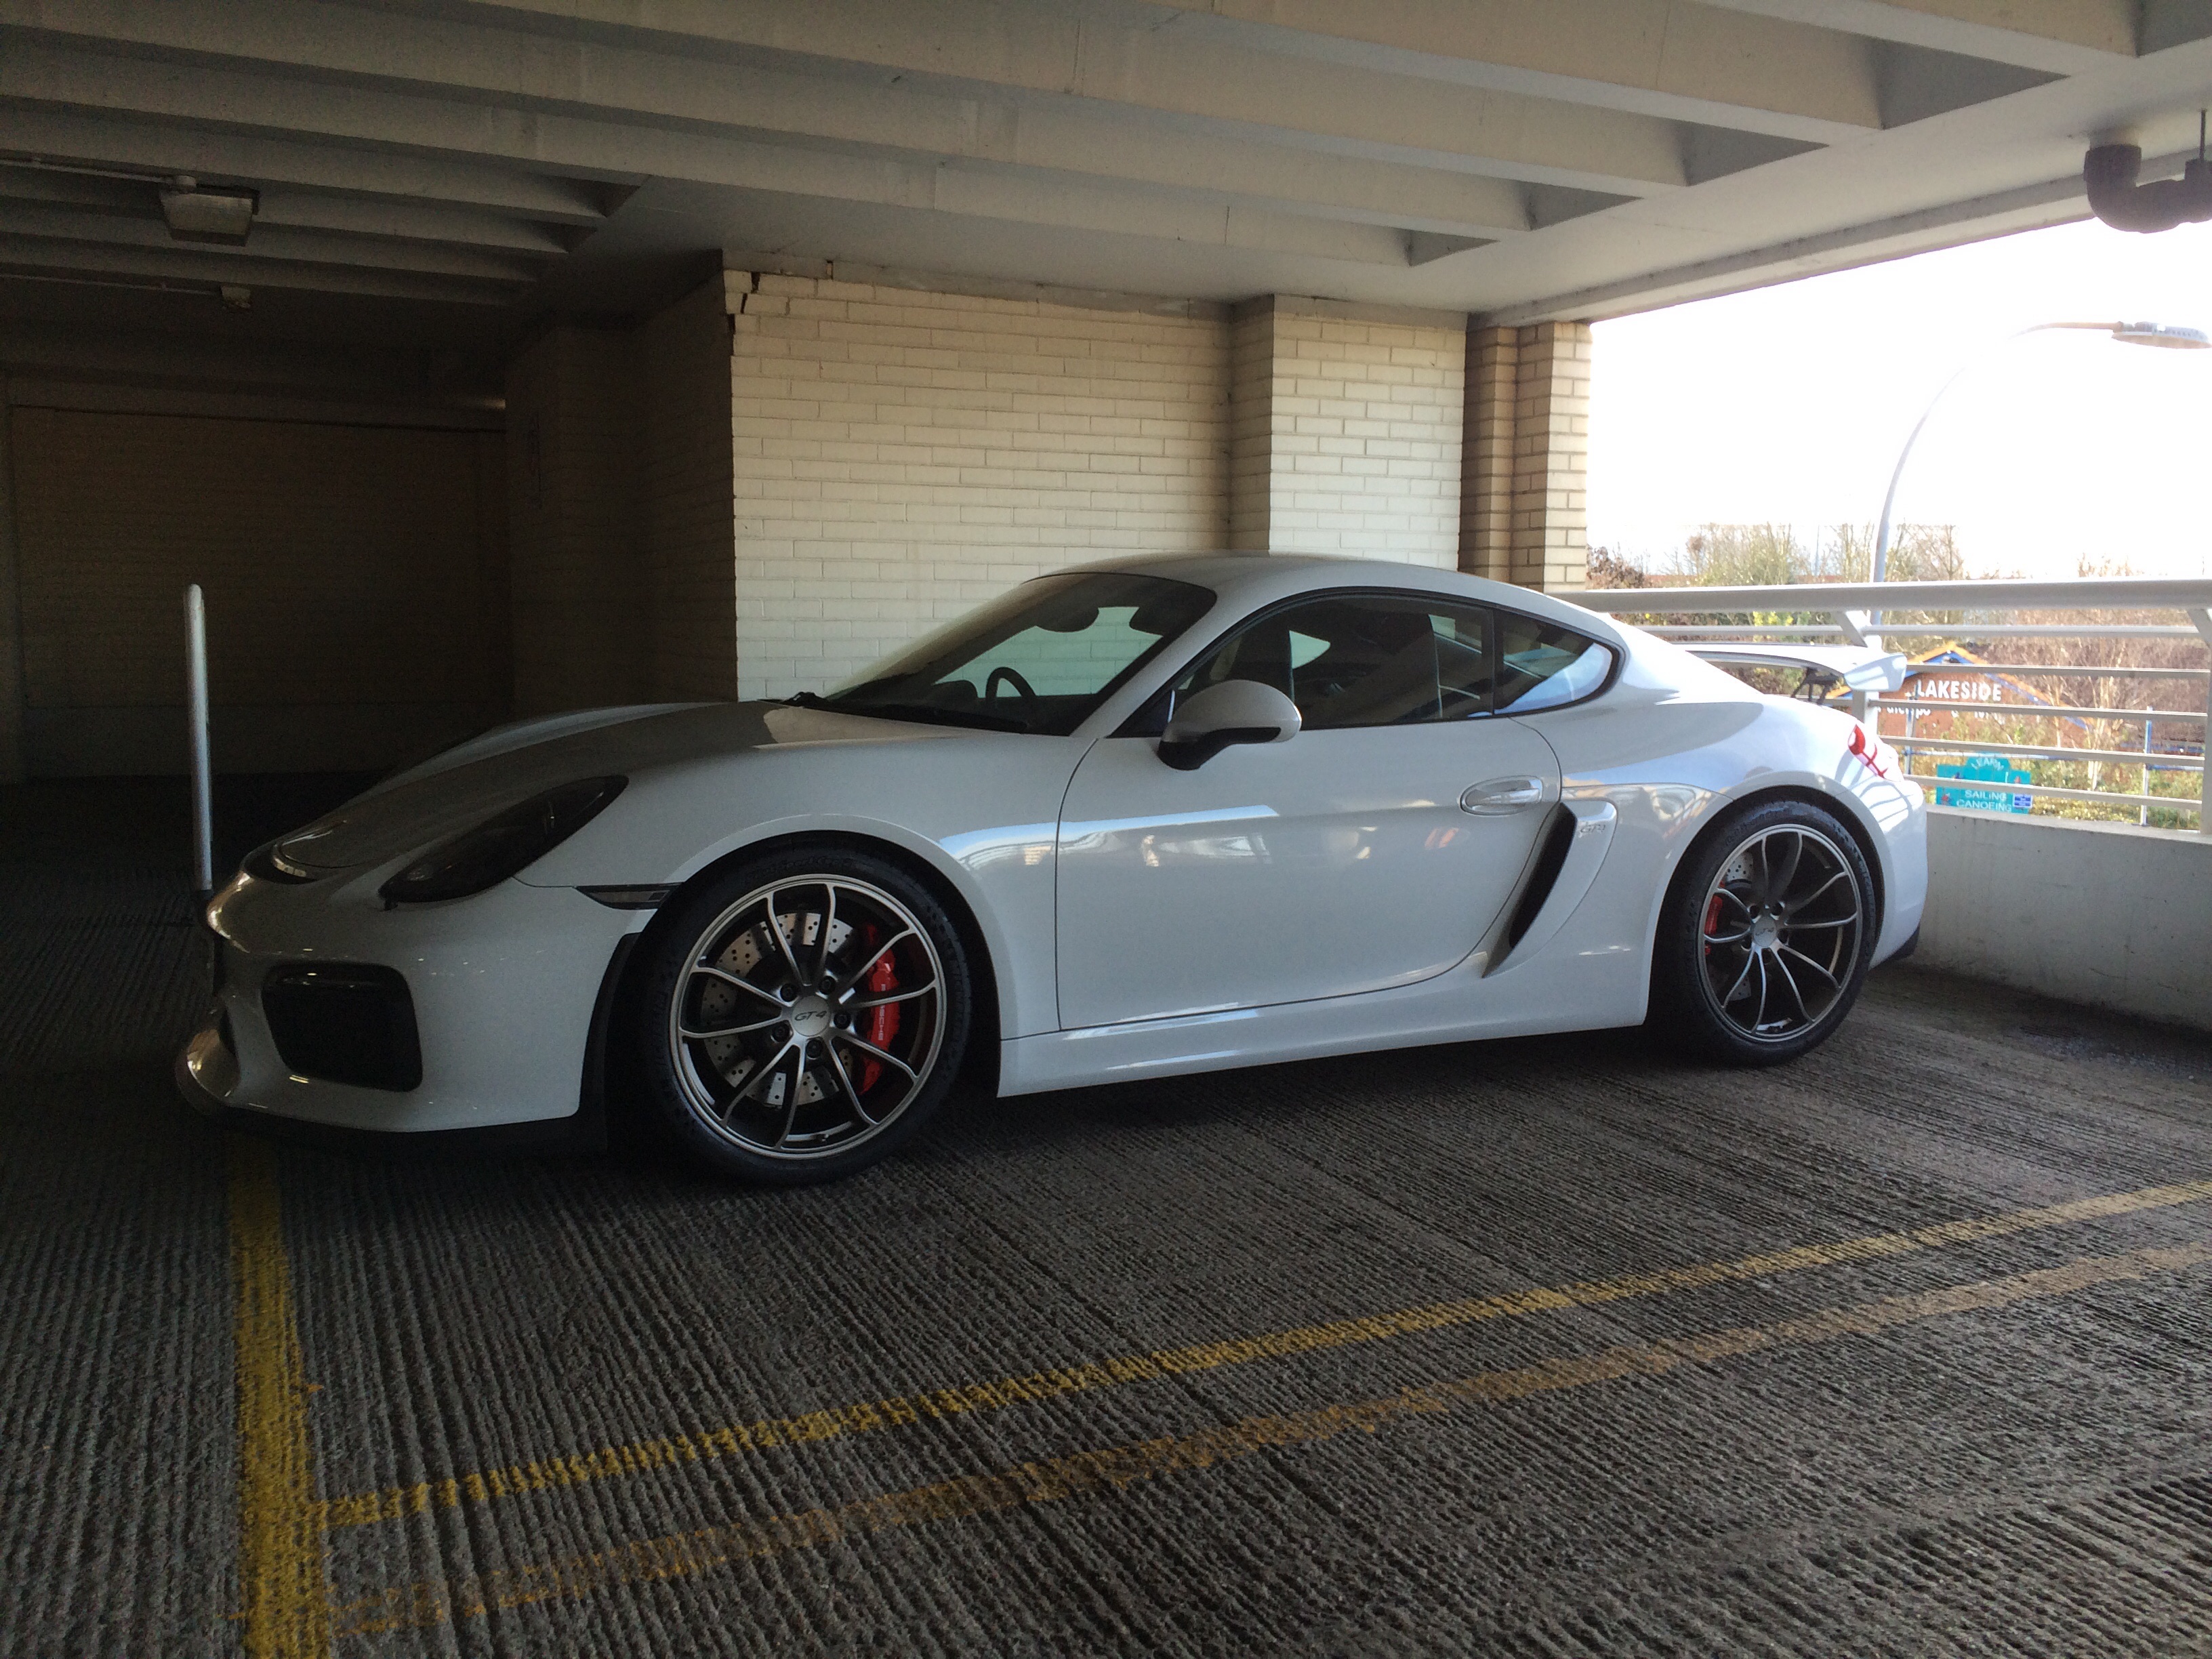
1751 975
782 1059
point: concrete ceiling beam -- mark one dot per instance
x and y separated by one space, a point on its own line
1657 58
449 226
1208 90
1662 58
161 148
20 220
297 209
327 113
2062 37
41 258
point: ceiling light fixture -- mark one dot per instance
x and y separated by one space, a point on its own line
223 214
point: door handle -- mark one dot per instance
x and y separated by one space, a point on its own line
1501 795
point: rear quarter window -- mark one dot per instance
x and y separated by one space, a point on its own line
1543 665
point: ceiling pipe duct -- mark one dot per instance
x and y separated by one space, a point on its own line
2115 197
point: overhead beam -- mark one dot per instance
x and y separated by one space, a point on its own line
1206 90
22 221
43 258
478 130
1661 58
160 147
2030 207
410 222
297 209
2062 37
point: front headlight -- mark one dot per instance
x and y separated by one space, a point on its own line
501 846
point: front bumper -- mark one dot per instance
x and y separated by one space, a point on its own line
509 988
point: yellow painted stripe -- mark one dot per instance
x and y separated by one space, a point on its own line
612 1463
682 1555
280 1536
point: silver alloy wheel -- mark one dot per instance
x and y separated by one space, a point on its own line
1780 929
807 1017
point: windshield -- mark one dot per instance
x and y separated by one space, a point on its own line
1038 659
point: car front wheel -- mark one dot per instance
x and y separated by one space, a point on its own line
803 1015
1766 937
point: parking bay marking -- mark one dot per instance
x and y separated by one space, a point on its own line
612 1463
682 1555
281 1570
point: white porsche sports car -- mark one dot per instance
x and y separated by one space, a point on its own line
1157 815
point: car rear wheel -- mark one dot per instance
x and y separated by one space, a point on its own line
803 1015
1766 937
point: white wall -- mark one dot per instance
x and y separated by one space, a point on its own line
2102 913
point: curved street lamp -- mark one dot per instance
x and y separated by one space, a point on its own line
2167 335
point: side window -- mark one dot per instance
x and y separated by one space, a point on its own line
1359 660
1543 666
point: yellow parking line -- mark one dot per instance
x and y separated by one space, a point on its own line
280 1534
612 1463
682 1555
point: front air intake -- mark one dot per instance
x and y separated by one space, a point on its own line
344 1023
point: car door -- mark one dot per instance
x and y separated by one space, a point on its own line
1341 862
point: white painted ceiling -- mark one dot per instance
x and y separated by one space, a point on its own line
1515 158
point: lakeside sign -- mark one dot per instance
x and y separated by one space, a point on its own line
1956 691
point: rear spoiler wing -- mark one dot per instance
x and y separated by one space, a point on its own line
1861 669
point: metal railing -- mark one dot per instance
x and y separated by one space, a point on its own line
1854 612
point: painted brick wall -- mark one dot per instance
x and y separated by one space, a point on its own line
1347 433
901 455
354 576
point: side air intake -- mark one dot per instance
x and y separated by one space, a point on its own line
1550 858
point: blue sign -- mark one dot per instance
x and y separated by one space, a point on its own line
1986 769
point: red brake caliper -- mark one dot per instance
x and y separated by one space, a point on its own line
1712 919
882 1024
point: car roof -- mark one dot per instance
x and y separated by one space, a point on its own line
1246 579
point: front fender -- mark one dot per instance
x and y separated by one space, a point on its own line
981 810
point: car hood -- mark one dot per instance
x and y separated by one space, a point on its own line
417 809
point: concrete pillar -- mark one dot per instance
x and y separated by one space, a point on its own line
688 526
572 516
1526 518
1486 494
1252 415
620 516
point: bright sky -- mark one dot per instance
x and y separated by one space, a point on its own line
1788 405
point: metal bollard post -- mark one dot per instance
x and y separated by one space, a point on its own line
196 701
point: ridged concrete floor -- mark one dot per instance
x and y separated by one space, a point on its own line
1520 1347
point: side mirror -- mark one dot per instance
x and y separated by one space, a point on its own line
1234 711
